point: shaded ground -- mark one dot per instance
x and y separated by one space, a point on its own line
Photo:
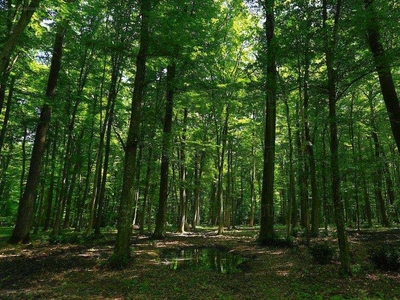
77 271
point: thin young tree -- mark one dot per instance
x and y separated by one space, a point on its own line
330 46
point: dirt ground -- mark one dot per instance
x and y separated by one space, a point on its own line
79 271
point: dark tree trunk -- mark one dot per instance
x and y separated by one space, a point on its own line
6 114
221 163
330 45
50 192
159 231
267 194
382 66
27 202
182 176
122 249
145 205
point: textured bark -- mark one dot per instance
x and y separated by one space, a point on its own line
122 251
27 202
159 231
383 69
221 163
6 114
182 176
330 45
267 194
145 205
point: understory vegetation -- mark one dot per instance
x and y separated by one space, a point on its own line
73 267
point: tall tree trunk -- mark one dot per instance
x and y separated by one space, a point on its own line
267 195
6 114
122 251
382 66
182 176
330 45
221 163
355 162
145 205
252 186
379 165
367 202
292 207
112 95
316 205
50 192
159 231
27 202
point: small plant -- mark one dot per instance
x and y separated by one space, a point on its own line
322 253
386 258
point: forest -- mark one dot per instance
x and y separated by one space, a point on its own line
257 126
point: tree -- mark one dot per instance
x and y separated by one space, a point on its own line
159 231
122 251
26 204
267 196
330 45
383 69
12 40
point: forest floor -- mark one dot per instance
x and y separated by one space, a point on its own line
77 269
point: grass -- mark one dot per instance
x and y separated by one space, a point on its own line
79 270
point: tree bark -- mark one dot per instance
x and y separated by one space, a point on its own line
159 231
182 176
27 202
267 196
383 69
330 45
122 251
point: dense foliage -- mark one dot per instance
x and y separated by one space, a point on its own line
222 57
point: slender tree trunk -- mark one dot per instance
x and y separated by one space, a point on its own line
122 251
112 95
182 176
159 231
292 207
27 202
6 114
354 158
50 192
267 195
196 191
330 45
221 163
252 187
367 202
145 205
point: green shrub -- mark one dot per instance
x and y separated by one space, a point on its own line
386 257
322 253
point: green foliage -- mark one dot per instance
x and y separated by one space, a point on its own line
386 257
72 238
322 252
276 241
